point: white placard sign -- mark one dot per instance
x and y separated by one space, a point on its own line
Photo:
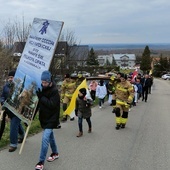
36 57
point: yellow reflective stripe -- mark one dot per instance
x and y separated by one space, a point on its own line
71 84
130 89
68 85
124 120
68 95
120 102
122 89
130 98
118 120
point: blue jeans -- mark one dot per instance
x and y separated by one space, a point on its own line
15 128
80 123
47 138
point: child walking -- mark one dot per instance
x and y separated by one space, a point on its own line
83 111
101 92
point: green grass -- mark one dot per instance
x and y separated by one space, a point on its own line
35 128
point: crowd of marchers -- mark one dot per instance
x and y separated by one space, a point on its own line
121 92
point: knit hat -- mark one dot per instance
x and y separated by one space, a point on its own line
83 91
67 75
11 73
46 76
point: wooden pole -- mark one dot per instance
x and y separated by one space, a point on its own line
25 136
27 130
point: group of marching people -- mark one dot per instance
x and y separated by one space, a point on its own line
122 91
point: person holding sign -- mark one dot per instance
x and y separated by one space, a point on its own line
49 111
15 123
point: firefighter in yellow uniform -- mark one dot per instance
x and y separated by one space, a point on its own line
124 96
111 91
67 89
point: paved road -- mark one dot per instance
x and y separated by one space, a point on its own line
143 145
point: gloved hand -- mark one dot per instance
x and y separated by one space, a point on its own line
39 93
76 112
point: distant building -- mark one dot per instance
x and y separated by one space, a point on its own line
122 60
125 60
105 59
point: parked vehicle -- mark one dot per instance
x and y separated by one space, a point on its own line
84 74
166 76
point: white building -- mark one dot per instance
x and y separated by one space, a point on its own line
105 59
125 60
122 60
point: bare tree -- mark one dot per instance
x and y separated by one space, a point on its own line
63 61
5 64
15 31
8 34
70 38
12 31
22 30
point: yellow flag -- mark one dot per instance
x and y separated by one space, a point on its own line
71 106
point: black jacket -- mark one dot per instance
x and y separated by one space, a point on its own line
49 108
145 83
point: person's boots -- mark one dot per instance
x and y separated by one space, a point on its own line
58 126
117 126
71 119
80 134
64 119
123 126
89 131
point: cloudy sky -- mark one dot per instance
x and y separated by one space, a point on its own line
98 21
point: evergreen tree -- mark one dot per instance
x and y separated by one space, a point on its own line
107 62
145 65
92 58
163 62
114 62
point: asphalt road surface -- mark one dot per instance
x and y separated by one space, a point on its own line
143 145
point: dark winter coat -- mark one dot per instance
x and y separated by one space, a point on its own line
150 82
6 95
83 108
49 108
145 82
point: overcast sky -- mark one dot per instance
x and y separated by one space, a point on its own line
98 21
